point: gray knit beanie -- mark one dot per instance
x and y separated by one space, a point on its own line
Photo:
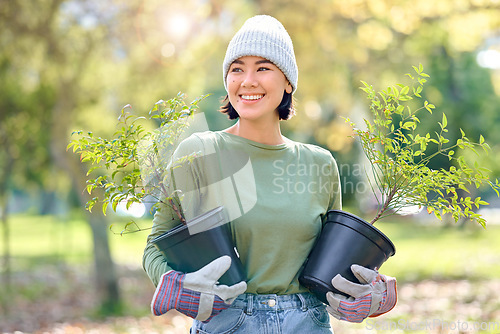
263 36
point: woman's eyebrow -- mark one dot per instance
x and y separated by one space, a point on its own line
237 61
258 62
263 61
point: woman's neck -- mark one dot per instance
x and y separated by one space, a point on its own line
264 133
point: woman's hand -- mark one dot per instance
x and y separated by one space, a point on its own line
197 295
375 296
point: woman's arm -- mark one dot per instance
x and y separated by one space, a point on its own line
153 262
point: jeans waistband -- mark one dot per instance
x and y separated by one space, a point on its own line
250 302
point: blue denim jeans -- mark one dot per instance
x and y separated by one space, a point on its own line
269 314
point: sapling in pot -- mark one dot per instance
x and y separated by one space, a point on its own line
399 155
137 165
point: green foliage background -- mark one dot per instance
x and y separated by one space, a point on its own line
92 57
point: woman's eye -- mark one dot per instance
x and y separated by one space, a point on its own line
236 69
263 69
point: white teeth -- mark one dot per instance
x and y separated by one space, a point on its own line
252 97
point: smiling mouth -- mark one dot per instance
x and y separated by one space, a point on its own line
252 97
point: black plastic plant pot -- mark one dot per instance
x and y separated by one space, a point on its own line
345 240
188 252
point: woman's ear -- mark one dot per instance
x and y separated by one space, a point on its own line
289 88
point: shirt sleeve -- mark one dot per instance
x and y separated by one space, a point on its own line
336 189
153 262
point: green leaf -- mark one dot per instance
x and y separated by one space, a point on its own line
429 106
104 207
115 203
130 202
409 125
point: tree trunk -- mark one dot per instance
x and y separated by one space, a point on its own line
105 273
6 271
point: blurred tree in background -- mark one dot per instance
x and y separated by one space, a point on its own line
72 64
49 47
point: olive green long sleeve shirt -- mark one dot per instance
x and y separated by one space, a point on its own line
283 196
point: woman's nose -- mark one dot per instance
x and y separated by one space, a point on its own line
249 80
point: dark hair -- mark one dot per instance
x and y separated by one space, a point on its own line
286 109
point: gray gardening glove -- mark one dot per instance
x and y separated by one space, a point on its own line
375 295
198 294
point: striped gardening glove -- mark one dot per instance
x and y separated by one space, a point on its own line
197 295
375 296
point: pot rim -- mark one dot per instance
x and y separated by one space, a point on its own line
214 218
365 228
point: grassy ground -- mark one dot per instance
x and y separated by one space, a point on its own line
442 252
448 280
422 251
71 240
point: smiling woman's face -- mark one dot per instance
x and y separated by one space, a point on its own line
256 87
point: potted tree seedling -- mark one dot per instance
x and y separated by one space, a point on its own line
138 164
398 154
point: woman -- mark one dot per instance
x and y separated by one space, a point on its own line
295 186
